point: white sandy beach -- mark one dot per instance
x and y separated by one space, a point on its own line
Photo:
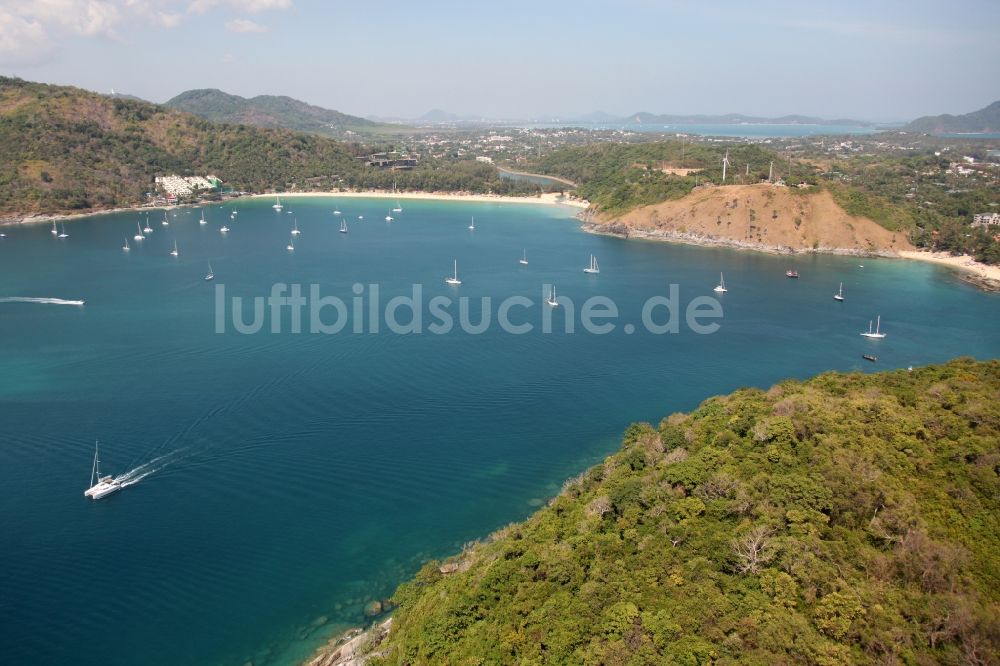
963 262
548 198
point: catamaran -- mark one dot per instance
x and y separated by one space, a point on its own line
721 287
454 278
203 220
343 226
552 298
174 251
524 258
295 229
63 234
277 204
839 296
209 275
139 235
105 485
876 333
593 268
125 246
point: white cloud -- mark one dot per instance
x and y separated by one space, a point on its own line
244 25
242 6
22 41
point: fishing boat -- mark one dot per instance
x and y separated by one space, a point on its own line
138 235
277 204
210 275
454 278
552 298
343 226
202 220
472 225
869 357
791 274
839 296
63 233
721 287
125 246
100 486
295 229
174 252
524 258
55 231
877 334
593 268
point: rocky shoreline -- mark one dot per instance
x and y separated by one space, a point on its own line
353 648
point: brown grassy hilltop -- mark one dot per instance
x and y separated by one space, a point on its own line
763 216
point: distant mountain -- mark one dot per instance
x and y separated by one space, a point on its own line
984 120
267 111
438 116
645 118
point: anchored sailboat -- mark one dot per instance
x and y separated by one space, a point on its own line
552 298
174 251
877 334
472 225
55 231
203 220
593 268
343 226
277 204
148 229
839 296
454 278
138 235
295 229
100 486
524 258
721 287
125 246
210 275
63 233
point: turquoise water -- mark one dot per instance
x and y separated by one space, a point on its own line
307 474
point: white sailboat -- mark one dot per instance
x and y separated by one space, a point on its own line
277 204
472 225
398 208
454 278
224 229
877 334
55 231
593 268
138 236
203 220
125 246
721 287
210 275
166 222
524 258
295 229
552 298
291 244
839 296
63 233
336 212
148 229
343 226
100 486
389 218
174 251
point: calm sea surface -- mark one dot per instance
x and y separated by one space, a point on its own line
294 477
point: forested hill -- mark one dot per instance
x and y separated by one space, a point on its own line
984 120
847 519
268 111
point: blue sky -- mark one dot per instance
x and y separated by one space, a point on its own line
888 60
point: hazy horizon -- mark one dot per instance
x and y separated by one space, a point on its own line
893 62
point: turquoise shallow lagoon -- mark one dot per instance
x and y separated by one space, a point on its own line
297 476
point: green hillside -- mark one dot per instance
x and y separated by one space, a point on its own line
267 111
984 120
848 519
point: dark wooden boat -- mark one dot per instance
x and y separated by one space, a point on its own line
869 357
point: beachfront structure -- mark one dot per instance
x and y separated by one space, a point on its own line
184 186
986 220
390 160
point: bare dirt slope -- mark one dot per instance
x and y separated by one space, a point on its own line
763 216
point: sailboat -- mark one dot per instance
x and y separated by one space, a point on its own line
295 229
277 205
721 287
174 251
552 298
125 246
291 244
224 229
593 268
138 235
210 275
472 225
876 333
148 229
166 222
336 212
454 278
203 220
839 296
100 486
63 234
398 208
524 258
55 231
389 218
343 226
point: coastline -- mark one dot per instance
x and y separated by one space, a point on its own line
982 275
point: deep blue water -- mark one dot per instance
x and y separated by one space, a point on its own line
307 474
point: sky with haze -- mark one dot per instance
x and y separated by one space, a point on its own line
884 61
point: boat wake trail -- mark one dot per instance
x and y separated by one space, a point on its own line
136 475
28 299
